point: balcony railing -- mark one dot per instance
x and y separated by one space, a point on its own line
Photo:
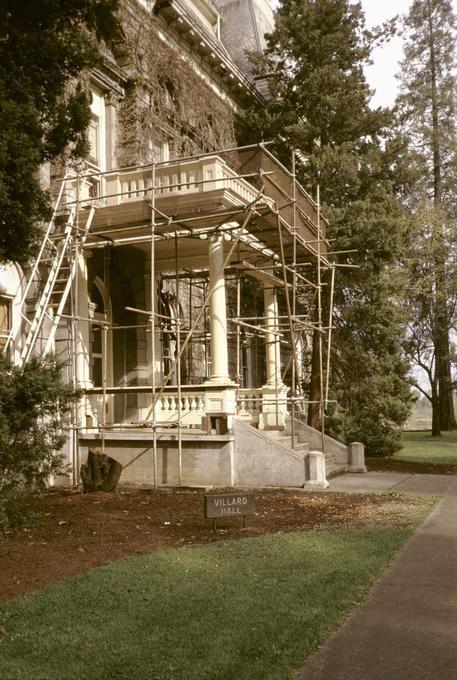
178 178
204 183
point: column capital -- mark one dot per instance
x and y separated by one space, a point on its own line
216 237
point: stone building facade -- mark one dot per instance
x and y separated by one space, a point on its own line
168 255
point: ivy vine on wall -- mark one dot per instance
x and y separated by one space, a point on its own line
166 100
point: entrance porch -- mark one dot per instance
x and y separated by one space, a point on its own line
193 321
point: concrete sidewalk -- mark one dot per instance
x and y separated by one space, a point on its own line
407 627
435 485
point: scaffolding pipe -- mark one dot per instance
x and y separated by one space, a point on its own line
329 337
259 329
238 333
319 319
189 353
152 319
104 385
294 291
289 314
74 253
178 365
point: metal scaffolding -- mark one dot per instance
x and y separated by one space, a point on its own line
276 235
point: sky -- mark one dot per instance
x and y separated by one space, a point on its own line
381 76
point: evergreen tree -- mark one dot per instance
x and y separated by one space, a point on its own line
428 117
44 46
314 66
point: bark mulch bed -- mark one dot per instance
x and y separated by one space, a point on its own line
380 464
68 533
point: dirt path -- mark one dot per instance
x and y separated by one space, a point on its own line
76 532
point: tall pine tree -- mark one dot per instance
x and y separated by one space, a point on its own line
314 66
428 117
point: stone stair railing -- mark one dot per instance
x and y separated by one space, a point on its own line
193 407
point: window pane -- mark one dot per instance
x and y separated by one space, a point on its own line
93 135
5 321
5 315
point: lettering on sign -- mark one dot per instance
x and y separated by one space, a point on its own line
229 505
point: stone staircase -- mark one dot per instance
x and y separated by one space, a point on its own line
333 468
268 458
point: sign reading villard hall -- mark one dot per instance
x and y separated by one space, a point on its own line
229 505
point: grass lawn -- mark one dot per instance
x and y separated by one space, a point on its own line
252 608
421 453
421 447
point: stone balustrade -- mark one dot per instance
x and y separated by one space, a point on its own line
193 407
206 174
252 406
249 404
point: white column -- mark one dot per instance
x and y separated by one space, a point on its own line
217 313
82 326
273 362
274 392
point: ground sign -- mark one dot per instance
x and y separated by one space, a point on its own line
229 505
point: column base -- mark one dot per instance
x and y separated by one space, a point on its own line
315 485
273 416
221 399
222 381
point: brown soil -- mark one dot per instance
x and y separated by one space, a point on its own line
380 464
76 532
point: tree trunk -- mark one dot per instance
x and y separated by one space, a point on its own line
436 429
441 336
445 404
446 401
100 473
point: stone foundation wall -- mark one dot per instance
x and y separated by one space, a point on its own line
205 461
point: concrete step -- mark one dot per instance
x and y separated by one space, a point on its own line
280 437
335 469
279 434
285 440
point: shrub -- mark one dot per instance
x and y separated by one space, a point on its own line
35 405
